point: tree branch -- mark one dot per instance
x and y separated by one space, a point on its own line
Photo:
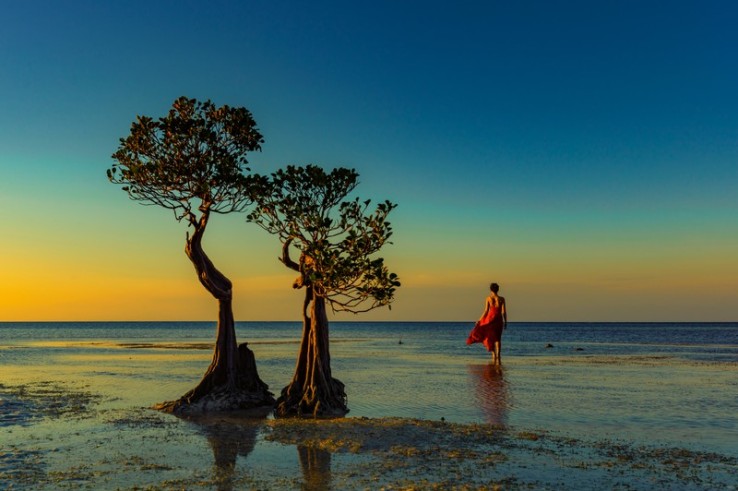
286 260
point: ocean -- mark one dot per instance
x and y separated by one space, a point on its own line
650 383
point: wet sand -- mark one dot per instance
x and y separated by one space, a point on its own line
66 436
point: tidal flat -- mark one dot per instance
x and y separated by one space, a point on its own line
427 413
66 436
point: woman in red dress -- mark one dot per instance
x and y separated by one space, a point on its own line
488 329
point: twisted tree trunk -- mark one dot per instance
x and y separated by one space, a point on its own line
231 381
313 391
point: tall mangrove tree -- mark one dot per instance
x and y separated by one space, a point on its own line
336 240
193 162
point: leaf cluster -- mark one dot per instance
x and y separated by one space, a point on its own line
195 157
337 237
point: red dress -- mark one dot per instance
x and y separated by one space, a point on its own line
487 330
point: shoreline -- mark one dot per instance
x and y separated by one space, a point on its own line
69 436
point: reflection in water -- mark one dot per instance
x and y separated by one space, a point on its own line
232 436
229 438
491 392
316 468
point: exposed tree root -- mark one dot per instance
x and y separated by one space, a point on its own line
219 392
311 401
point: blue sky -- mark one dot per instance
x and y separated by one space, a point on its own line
582 154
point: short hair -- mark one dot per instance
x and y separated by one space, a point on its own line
494 287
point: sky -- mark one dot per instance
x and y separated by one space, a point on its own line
584 155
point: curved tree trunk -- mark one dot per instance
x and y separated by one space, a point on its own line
313 391
231 381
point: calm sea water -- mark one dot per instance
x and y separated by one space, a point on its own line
696 341
670 383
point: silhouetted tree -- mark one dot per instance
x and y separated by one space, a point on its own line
336 239
193 162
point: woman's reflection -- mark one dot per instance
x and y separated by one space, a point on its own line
491 392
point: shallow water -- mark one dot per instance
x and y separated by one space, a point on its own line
640 382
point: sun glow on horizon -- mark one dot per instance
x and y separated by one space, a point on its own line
601 190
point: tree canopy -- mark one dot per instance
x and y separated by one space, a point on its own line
307 208
193 158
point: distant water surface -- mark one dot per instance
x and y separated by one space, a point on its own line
670 383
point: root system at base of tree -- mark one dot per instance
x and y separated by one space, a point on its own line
219 392
328 401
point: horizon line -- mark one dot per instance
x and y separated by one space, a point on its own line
371 321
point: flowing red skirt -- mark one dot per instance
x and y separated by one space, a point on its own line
487 330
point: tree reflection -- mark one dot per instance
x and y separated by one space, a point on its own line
316 468
491 392
229 438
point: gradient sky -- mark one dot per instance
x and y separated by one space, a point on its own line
582 154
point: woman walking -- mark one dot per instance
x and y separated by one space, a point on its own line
488 329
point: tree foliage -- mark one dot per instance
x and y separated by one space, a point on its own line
194 158
307 208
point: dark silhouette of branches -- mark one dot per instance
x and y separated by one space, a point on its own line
337 238
194 159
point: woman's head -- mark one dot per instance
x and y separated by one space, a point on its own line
494 287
